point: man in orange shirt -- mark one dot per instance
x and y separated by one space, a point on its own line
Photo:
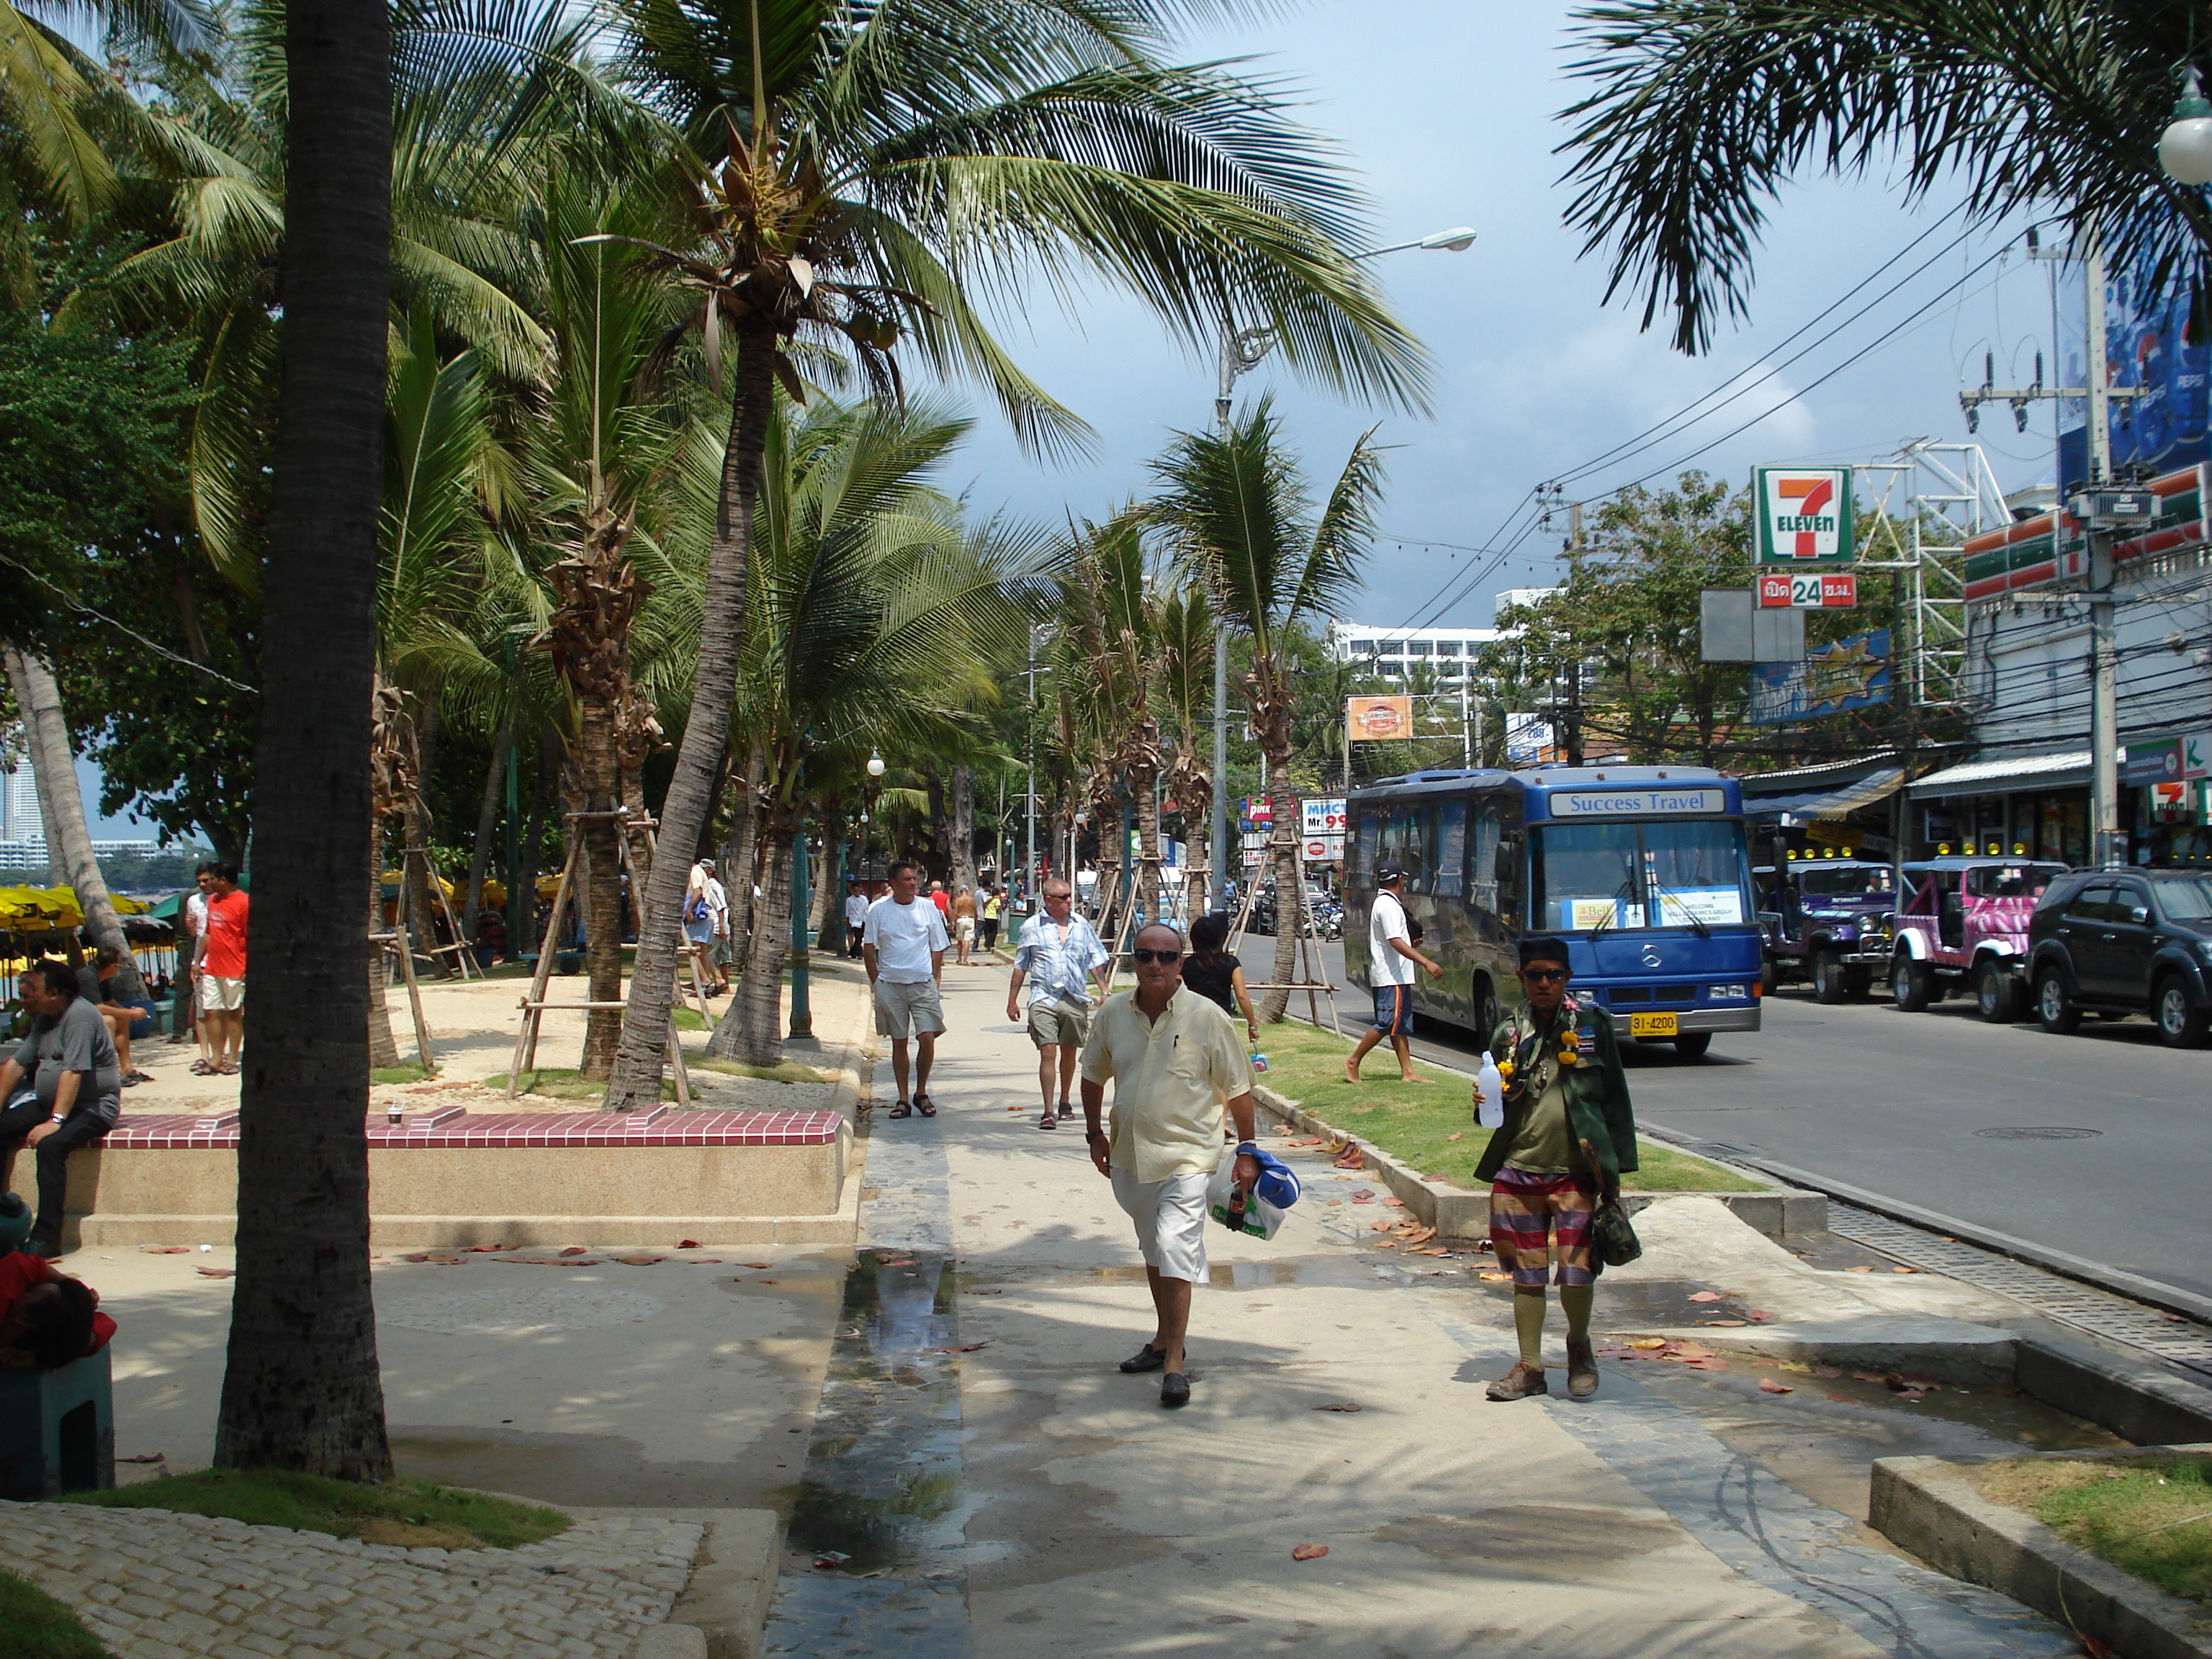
220 968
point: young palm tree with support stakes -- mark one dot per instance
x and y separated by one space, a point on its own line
866 173
1237 509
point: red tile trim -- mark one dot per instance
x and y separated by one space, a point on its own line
459 1128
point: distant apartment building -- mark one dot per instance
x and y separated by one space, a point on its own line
1395 653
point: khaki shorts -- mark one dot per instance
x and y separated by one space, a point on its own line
904 1011
1171 1221
221 996
1062 1021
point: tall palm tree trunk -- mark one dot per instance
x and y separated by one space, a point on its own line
61 806
759 1002
487 822
829 918
416 876
960 812
642 1053
744 856
1290 891
1143 782
602 893
300 1389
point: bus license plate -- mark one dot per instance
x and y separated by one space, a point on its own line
1651 1025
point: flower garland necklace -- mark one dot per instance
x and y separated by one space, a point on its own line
1569 1027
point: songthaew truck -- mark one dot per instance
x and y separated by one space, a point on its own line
1826 919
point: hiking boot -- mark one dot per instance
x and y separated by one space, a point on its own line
1582 1371
1519 1383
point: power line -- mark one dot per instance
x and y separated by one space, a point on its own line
75 603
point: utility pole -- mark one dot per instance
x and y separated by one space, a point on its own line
1240 351
2103 699
1574 731
1028 864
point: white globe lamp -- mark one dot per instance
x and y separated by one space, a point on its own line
2184 150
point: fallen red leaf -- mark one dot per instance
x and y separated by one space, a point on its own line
1705 1295
484 1250
968 1347
762 1266
1396 1203
414 1258
145 1457
217 1272
1757 1317
639 1260
1340 1406
1456 1134
1705 1364
575 1249
2095 1649
1768 1385
1308 1551
1904 1270
1725 1324
687 1244
706 1261
1351 1158
1827 1371
763 1281
165 1249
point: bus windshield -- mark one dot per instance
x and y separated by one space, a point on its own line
1638 874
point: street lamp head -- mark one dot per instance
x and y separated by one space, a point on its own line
1456 240
875 764
2184 150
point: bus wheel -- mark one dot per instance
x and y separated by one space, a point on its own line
1692 1045
1486 1014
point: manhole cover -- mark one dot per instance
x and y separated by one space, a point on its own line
523 1311
2038 1135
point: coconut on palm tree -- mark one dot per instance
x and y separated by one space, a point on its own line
863 175
1274 562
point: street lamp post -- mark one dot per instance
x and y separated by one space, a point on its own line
1242 350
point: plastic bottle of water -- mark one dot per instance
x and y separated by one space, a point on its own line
1490 1111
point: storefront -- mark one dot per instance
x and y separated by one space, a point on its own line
2026 806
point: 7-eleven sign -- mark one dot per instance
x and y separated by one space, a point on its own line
1804 514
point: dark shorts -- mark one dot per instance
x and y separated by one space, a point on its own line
1540 1221
1394 1009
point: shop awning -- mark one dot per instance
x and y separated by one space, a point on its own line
1831 803
2013 772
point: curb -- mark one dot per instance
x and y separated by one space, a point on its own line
1463 1216
2119 1282
1926 1506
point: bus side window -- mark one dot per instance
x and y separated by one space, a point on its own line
1363 847
1482 860
1421 850
1449 876
1509 879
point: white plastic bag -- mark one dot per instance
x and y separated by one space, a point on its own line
1261 1219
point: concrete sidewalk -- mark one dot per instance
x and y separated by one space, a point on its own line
982 1481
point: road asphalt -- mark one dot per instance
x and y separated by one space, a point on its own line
2092 1146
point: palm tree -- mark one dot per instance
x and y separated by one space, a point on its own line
1238 511
1186 680
864 173
874 613
1703 108
301 1388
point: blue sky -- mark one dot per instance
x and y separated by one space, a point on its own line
1449 111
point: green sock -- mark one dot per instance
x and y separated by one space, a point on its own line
1575 1300
1529 1325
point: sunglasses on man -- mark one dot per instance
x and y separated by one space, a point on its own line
1165 958
1544 976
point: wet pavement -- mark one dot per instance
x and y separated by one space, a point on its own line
980 1480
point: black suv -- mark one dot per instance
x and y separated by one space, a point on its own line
2125 941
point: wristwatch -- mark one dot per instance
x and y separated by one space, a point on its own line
1095 1134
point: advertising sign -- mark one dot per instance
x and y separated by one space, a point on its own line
2147 344
1644 801
1804 514
1324 850
1378 720
2158 762
1324 816
1259 809
2197 755
1852 673
1527 736
1809 590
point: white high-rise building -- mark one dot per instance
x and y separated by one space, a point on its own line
19 804
1393 653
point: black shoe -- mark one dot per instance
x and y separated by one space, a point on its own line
1146 1358
1174 1390
53 1253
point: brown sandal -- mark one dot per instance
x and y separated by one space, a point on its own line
902 1110
925 1105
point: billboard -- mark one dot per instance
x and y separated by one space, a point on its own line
1852 673
1323 829
2053 547
1377 720
1527 739
1804 514
2146 345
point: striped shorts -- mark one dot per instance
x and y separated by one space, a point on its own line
1537 1220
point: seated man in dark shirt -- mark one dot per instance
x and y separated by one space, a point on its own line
76 1091
95 984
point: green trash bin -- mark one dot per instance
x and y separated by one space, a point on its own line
57 1430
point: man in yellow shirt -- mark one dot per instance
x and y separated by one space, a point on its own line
1175 1062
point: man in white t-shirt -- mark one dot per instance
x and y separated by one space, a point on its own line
856 918
718 912
1392 957
905 945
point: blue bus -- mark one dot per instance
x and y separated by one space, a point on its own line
1643 869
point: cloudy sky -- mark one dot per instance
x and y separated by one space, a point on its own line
1447 109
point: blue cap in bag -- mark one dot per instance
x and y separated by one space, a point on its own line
1277 1183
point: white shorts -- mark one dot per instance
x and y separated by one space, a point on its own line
964 929
1171 1217
221 996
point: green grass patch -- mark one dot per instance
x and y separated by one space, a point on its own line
39 1627
2151 1516
687 1019
1431 1125
789 1072
397 1074
559 1084
412 1513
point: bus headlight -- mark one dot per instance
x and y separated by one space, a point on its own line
1727 993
